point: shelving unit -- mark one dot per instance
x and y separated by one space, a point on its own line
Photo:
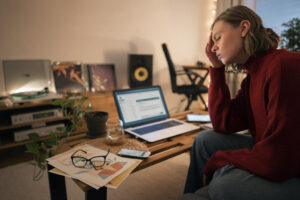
12 152
7 128
2 128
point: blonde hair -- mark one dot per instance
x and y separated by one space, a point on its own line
258 38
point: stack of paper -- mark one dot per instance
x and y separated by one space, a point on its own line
110 175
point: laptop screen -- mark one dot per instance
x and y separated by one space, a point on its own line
137 106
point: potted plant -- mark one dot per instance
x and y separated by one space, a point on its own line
71 108
96 123
290 37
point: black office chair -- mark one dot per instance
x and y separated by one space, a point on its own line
196 88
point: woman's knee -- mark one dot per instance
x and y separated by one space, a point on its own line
206 136
223 185
204 146
209 140
232 183
214 141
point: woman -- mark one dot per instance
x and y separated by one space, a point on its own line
266 165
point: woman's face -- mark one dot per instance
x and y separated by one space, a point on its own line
228 43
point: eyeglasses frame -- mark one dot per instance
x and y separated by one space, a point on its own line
88 159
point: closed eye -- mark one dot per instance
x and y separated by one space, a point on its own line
217 38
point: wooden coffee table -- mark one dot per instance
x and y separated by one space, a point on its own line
160 151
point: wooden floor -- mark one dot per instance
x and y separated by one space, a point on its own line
161 181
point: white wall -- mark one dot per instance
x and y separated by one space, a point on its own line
106 31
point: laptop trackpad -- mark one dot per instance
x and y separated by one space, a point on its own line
156 127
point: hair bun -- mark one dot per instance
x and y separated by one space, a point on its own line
272 35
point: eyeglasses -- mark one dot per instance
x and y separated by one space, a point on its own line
81 162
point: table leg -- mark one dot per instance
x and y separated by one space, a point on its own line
57 185
93 194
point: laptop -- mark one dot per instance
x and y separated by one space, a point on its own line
144 114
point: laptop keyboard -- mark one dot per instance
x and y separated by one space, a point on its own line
156 127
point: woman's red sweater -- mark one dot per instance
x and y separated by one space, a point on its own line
268 104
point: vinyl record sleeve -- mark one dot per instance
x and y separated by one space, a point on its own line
68 78
101 77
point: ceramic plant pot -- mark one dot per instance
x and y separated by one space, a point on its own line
96 123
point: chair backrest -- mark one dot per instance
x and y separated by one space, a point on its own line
171 67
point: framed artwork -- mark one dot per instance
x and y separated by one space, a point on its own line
68 78
102 77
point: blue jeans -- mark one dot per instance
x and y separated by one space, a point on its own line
230 182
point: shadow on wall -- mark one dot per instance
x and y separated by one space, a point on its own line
160 70
118 54
119 57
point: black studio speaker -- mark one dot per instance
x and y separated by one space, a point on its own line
140 70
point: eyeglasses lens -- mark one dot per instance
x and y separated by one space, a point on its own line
98 161
79 162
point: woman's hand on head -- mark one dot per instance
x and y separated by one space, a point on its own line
215 62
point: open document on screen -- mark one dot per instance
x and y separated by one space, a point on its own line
139 106
144 114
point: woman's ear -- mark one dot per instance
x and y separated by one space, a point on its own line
245 26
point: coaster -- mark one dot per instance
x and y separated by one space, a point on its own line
128 144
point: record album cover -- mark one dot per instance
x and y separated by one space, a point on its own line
101 77
68 78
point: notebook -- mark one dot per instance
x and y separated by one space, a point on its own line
144 114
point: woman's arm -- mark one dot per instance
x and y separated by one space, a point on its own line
227 115
275 156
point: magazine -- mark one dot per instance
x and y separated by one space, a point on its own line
114 183
114 166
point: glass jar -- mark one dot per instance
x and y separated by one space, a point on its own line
115 132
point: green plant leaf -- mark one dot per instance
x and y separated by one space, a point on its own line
34 137
42 162
32 148
60 129
50 142
83 99
71 108
55 135
71 103
58 102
